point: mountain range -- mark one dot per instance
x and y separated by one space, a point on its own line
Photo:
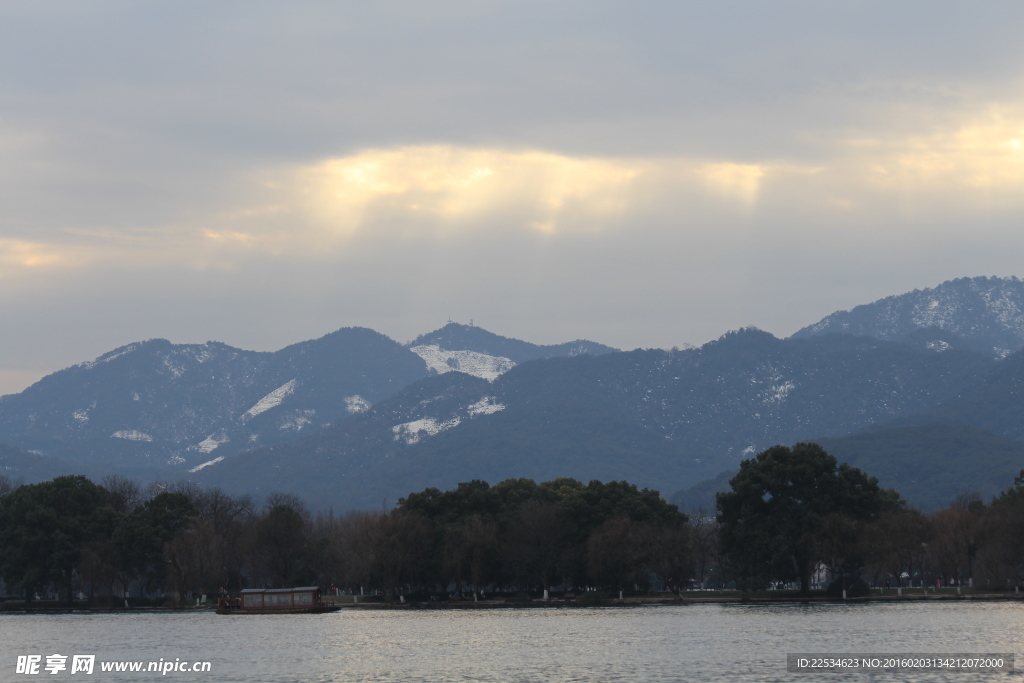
981 313
355 419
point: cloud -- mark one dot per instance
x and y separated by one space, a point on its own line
740 181
16 254
460 188
985 152
259 173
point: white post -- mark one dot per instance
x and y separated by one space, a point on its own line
355 599
899 591
958 590
474 596
545 594
401 599
844 594
620 595
361 591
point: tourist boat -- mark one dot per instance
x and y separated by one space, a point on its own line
304 600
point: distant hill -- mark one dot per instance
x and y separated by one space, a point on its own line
354 418
158 408
994 403
933 463
929 464
981 313
483 354
30 468
171 406
665 419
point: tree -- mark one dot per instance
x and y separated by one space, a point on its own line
538 544
469 546
8 485
43 528
281 544
125 494
669 553
1003 531
957 528
703 539
615 553
772 521
402 543
897 540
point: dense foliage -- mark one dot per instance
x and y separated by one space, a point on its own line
790 509
71 535
793 516
796 514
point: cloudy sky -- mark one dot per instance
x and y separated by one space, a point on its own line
637 173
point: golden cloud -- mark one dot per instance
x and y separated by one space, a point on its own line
447 191
16 253
453 186
984 152
737 181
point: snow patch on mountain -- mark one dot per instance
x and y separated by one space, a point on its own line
777 393
938 346
470 362
356 404
131 435
484 407
109 356
298 421
81 416
210 443
206 464
271 400
175 370
412 432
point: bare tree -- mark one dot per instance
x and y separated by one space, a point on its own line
614 553
7 485
703 543
125 493
538 543
403 540
468 546
668 553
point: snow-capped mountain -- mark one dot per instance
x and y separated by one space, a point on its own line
982 313
664 419
180 405
184 407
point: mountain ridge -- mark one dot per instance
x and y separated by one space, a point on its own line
984 313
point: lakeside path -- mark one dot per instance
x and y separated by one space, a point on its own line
375 603
687 599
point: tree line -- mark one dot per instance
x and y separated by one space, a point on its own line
71 536
794 517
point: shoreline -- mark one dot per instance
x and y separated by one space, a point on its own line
555 603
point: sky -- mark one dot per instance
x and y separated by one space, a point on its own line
642 174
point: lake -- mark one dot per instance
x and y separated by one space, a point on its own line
658 643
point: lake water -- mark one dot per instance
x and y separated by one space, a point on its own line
676 643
